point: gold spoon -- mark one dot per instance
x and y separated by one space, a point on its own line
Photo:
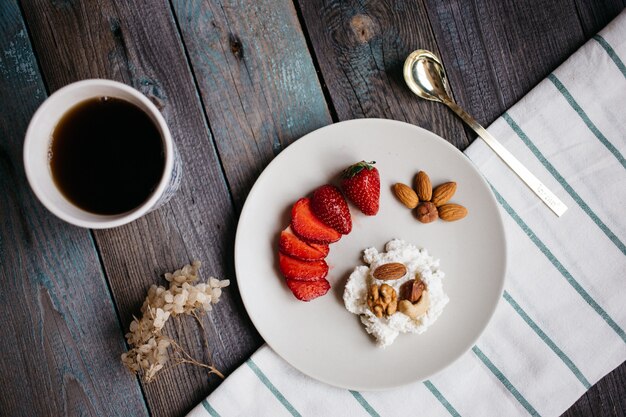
425 76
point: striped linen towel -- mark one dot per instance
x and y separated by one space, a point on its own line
560 327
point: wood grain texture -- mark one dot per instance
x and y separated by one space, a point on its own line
604 399
361 47
60 336
494 52
595 15
258 84
138 43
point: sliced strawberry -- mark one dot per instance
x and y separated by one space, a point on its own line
361 184
293 268
292 245
308 227
331 208
322 247
307 291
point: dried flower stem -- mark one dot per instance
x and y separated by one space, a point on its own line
149 345
191 360
205 339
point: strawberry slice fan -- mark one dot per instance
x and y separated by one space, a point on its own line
302 248
319 221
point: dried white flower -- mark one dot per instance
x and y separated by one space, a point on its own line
149 345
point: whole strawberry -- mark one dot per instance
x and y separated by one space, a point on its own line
361 184
331 208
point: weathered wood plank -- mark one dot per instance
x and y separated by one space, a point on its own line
361 47
138 43
258 84
595 15
60 336
496 51
604 399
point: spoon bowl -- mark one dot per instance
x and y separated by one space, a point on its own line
425 76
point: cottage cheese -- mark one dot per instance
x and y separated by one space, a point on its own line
417 261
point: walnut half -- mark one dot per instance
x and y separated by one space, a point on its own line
382 300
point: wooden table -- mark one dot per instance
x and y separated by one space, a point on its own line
237 81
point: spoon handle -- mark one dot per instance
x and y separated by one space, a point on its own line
551 200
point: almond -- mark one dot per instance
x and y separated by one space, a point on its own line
452 212
412 290
423 186
390 271
443 193
406 195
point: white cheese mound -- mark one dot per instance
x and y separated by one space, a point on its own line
417 261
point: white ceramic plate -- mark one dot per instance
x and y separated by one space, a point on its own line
321 338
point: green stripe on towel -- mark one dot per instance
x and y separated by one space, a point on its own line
518 130
265 380
210 409
505 381
559 85
566 360
609 50
370 410
559 266
441 399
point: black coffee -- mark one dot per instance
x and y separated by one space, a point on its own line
107 155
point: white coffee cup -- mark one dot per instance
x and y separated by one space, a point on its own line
37 150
